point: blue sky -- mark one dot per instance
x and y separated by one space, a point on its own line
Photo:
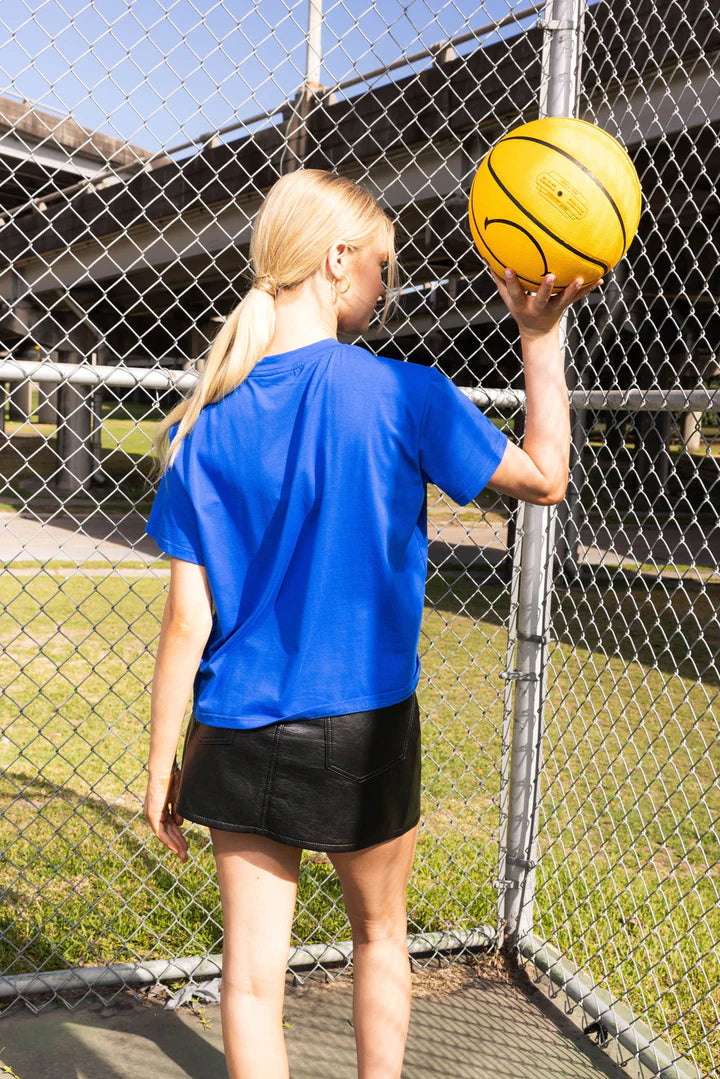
158 73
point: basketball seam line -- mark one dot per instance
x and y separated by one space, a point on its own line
531 238
593 177
489 248
539 224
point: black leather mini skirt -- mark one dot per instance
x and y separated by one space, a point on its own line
333 783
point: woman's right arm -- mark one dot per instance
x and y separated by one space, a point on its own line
538 472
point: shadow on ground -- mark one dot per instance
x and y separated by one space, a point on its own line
465 1024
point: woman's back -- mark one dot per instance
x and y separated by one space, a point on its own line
302 492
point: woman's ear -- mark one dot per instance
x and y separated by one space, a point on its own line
336 257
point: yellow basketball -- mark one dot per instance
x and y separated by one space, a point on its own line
556 195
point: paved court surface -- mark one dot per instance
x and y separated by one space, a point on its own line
118 538
486 1027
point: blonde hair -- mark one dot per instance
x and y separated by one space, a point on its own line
303 214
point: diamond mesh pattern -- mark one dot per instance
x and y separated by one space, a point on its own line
626 882
125 216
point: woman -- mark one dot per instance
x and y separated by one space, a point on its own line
293 507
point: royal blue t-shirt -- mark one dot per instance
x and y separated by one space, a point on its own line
303 494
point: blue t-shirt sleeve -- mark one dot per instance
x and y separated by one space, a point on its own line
459 447
173 522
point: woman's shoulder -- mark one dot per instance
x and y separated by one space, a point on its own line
416 374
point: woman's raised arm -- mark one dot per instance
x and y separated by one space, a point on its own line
538 471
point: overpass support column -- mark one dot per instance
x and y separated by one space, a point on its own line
21 397
74 432
651 455
691 431
48 395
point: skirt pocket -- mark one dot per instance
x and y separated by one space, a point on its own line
209 734
362 745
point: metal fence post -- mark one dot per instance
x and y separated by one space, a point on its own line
300 107
562 23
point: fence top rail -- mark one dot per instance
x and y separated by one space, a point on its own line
85 374
631 400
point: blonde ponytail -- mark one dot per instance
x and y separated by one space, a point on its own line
302 215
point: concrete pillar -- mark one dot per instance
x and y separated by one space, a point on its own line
657 369
614 431
298 144
21 400
47 395
652 460
199 339
74 433
102 357
691 436
614 463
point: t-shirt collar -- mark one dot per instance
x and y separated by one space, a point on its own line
285 361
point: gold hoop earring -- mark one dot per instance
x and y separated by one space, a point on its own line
344 290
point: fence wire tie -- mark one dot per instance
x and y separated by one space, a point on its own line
533 638
598 1028
504 884
523 863
519 676
556 24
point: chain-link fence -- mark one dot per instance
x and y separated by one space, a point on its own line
570 654
626 875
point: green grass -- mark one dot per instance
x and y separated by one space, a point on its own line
628 879
82 888
630 868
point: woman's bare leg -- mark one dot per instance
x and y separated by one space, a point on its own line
258 887
374 883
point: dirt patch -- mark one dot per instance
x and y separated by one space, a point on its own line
443 977
440 978
442 982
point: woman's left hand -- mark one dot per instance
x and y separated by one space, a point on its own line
159 809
